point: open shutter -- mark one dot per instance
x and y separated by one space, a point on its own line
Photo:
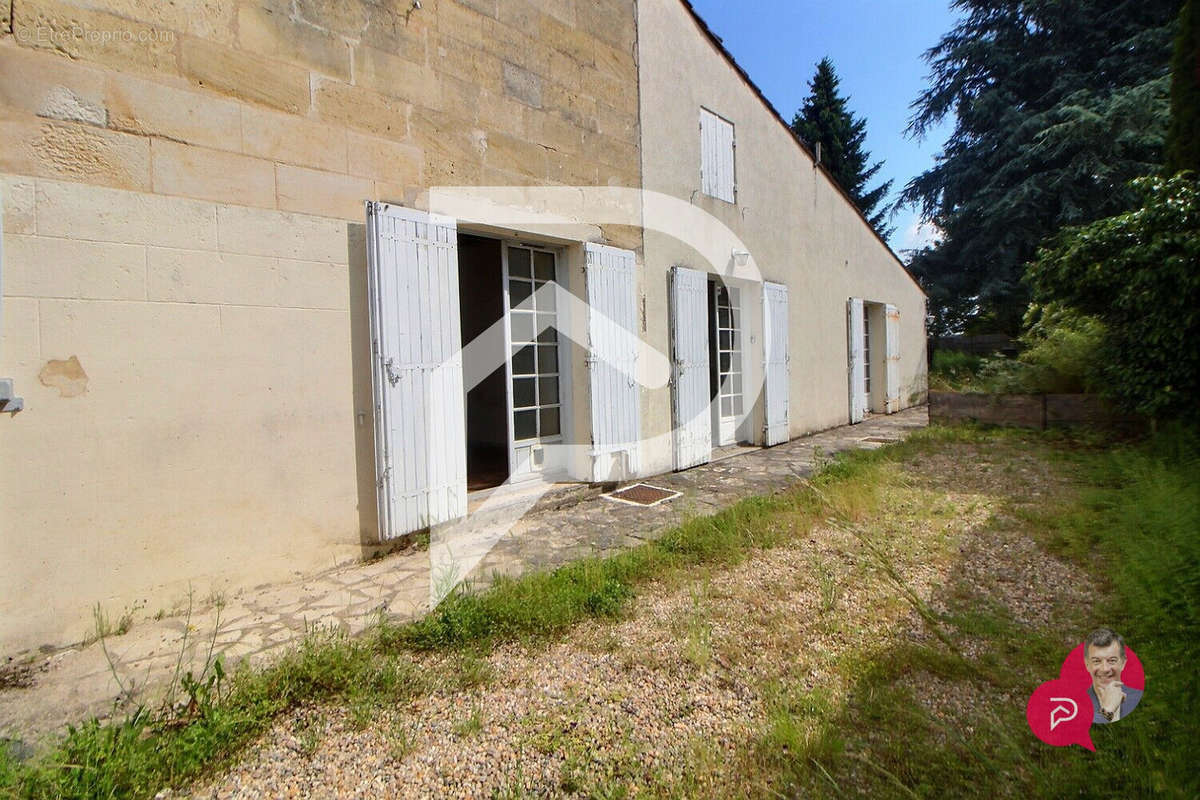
775 363
689 368
854 327
416 344
892 338
612 361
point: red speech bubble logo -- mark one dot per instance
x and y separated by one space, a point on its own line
1060 714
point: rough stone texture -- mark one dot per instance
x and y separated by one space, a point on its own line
212 174
561 525
72 151
151 109
272 34
95 36
522 85
246 75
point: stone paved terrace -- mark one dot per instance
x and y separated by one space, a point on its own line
518 531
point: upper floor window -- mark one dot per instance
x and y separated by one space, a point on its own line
716 157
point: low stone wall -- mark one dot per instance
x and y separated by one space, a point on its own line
1039 411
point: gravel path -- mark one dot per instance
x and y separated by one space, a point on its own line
670 699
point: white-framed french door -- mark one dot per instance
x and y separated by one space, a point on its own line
537 368
727 328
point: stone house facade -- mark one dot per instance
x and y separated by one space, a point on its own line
215 343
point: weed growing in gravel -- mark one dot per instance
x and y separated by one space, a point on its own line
141 755
470 725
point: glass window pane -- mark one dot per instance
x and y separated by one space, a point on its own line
546 332
548 391
522 326
736 365
543 266
726 407
723 317
518 262
523 392
522 362
546 300
735 295
547 358
722 296
518 292
524 425
736 320
724 340
550 425
724 362
735 384
737 405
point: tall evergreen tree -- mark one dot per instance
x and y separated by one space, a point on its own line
825 118
1057 105
1183 138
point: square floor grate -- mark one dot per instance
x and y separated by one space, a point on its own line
642 494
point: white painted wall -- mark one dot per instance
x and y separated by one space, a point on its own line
798 227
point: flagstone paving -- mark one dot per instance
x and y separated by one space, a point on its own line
509 534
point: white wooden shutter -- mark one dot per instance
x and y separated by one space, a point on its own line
717 177
689 368
892 338
775 363
612 361
854 327
416 343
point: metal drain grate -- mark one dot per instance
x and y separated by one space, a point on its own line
880 440
642 494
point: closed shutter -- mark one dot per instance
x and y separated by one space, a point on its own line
612 361
892 337
854 328
717 177
416 343
775 363
689 368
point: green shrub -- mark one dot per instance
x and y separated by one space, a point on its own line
953 370
1139 274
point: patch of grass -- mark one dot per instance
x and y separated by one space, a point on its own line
469 725
1132 533
146 752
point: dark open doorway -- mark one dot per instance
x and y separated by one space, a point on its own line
481 300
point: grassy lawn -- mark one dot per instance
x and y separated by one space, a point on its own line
875 632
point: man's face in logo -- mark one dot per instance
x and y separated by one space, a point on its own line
1105 663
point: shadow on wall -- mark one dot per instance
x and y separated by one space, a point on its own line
364 404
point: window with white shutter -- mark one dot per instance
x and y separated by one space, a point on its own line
717 174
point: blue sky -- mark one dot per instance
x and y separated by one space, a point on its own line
876 47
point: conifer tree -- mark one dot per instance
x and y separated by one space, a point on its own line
1057 105
825 118
1183 138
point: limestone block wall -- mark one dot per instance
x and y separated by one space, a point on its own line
184 299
